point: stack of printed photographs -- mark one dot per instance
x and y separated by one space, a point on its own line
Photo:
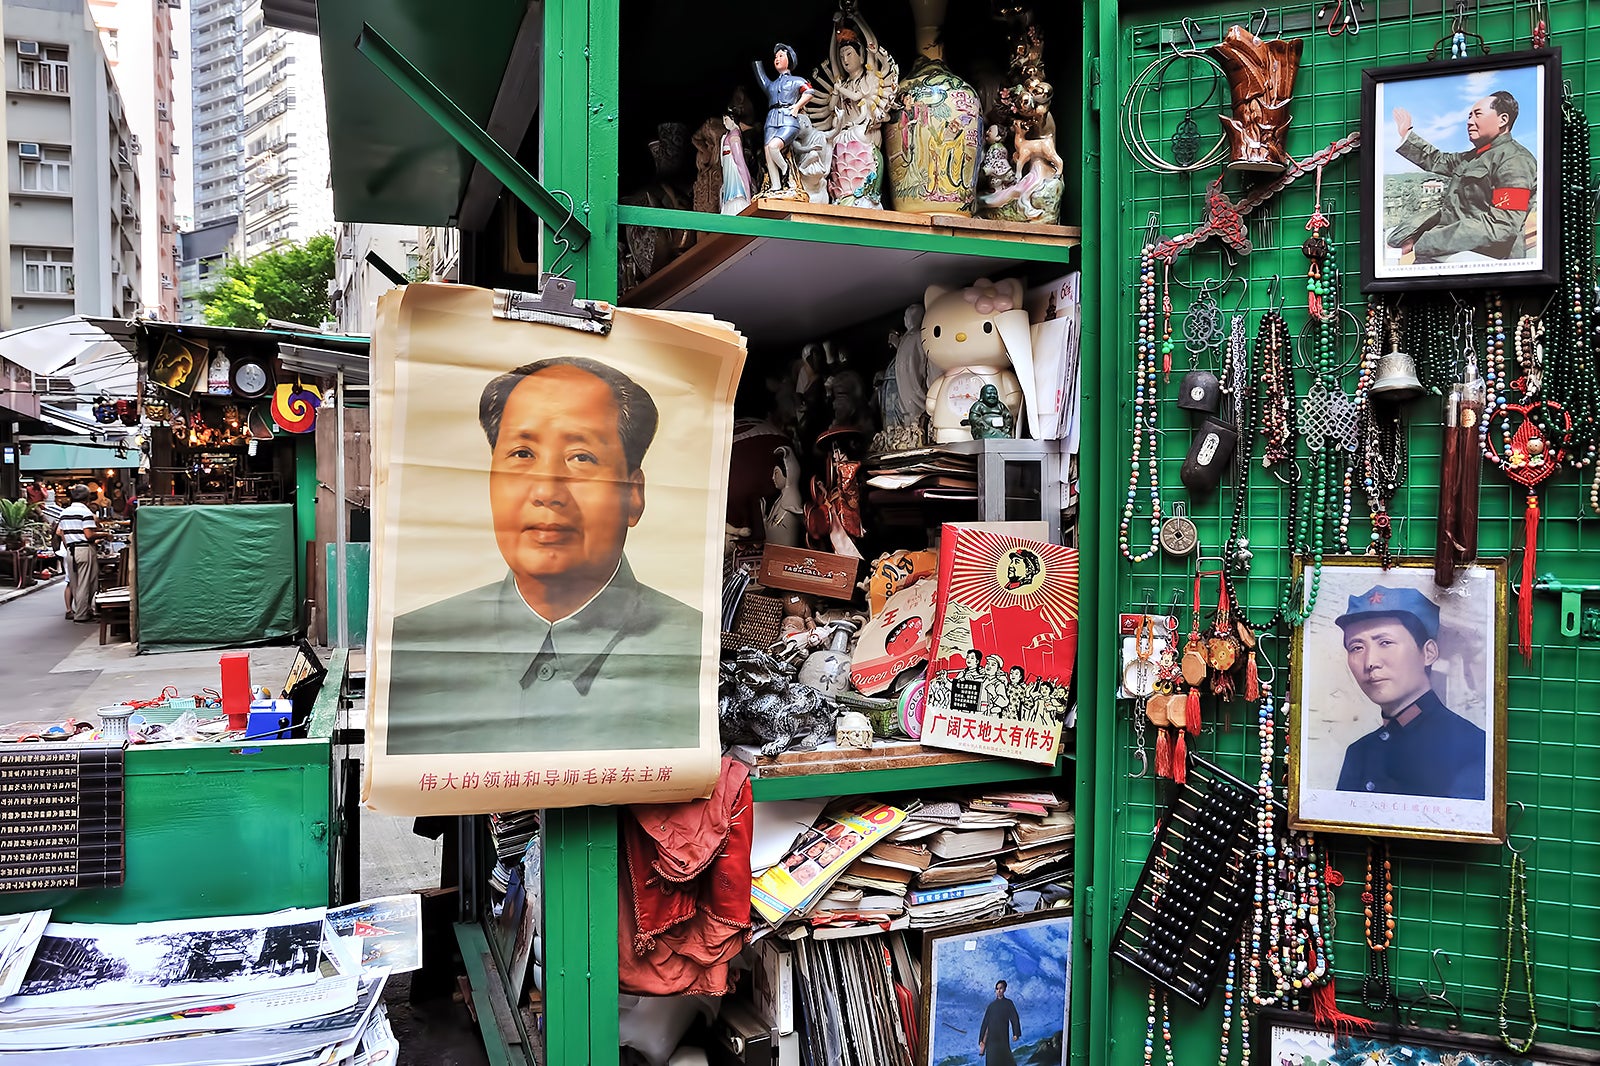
294 987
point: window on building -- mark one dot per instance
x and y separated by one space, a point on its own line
45 72
47 271
49 171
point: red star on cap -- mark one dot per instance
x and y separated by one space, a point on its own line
1375 598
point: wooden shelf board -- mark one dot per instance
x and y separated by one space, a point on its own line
889 766
842 265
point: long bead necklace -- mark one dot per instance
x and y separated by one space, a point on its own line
1496 387
1265 912
1228 986
1364 378
1382 452
1517 920
1277 383
1324 411
1571 370
1144 403
1376 990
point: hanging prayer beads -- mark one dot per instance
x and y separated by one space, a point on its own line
1376 990
1144 402
1517 921
1569 371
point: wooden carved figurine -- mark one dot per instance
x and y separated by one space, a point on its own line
1261 80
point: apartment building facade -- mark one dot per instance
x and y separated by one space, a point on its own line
137 38
73 233
260 126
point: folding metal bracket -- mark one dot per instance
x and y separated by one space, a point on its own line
471 136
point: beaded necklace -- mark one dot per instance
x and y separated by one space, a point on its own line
1425 332
1382 452
1516 916
1376 990
1570 372
1323 414
1265 910
1278 432
1144 401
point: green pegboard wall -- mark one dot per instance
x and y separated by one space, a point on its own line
1449 896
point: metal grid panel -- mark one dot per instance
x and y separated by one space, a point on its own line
1448 896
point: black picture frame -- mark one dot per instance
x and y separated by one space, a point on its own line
1395 198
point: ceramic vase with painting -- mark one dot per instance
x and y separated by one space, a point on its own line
936 140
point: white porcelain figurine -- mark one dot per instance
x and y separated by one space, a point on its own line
974 337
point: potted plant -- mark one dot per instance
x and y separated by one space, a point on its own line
18 522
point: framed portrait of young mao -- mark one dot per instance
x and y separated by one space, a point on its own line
1398 719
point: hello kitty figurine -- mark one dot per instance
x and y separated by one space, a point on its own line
974 337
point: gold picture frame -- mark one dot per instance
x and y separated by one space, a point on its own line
1354 765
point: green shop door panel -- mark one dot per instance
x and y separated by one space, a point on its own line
213 830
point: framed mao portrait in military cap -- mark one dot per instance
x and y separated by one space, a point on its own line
1397 726
1460 173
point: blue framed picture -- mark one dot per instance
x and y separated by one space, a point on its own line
998 994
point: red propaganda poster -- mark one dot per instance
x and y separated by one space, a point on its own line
1007 636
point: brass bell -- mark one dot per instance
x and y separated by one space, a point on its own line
1395 378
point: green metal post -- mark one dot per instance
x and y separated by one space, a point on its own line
305 510
578 139
484 148
1099 469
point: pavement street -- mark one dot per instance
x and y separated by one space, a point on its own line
35 637
52 668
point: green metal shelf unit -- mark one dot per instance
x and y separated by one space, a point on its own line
1449 897
405 132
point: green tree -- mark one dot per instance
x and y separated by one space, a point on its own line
289 283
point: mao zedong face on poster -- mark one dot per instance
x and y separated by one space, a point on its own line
548 565
1460 167
1398 722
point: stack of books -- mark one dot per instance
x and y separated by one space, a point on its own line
921 474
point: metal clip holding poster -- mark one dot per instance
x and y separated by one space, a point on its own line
554 305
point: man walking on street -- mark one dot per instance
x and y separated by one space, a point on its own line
78 534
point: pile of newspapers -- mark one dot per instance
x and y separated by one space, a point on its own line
294 987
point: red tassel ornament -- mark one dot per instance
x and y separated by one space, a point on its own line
1180 758
1164 753
1252 681
1325 1008
1191 715
1530 544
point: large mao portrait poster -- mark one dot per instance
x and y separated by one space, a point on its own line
549 511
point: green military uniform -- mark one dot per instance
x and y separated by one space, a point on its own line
1485 205
482 672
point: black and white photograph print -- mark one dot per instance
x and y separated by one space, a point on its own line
1459 168
1397 723
998 994
84 965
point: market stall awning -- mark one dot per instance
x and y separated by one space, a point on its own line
390 161
96 353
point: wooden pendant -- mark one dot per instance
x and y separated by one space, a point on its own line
1195 665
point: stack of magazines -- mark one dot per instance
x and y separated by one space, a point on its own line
294 987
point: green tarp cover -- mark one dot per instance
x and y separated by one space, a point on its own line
214 576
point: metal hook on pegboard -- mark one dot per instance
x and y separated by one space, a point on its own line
1458 36
1539 23
1511 829
1351 23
